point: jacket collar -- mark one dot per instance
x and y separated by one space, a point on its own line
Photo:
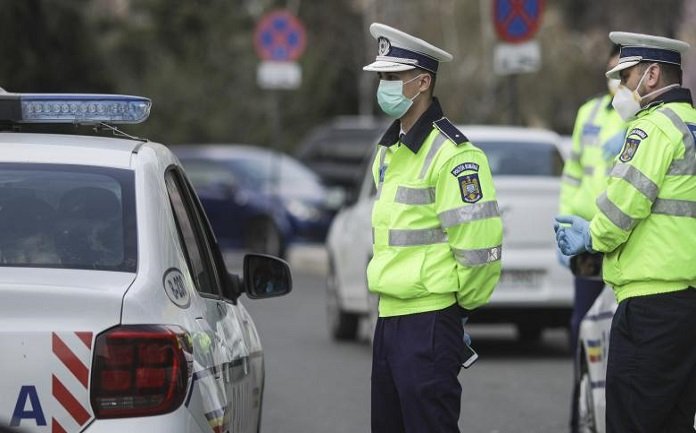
679 94
418 133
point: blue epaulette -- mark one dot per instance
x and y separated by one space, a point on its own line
450 131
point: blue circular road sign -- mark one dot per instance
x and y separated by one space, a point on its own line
279 36
517 20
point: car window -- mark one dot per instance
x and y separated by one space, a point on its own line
208 174
63 216
522 158
191 235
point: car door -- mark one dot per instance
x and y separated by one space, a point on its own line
222 337
242 376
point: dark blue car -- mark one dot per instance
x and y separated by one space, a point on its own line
257 199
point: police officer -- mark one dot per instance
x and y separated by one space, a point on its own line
646 228
437 242
598 135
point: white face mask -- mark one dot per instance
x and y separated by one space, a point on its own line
613 85
626 102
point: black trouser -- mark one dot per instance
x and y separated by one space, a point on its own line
415 362
586 292
651 370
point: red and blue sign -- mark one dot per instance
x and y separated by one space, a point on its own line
517 20
279 36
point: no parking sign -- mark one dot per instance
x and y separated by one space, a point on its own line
279 36
517 20
279 40
516 23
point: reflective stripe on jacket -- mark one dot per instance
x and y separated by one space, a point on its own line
585 173
646 224
436 227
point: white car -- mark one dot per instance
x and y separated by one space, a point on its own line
592 354
535 291
592 351
117 313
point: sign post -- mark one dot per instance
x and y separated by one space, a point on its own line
516 23
279 41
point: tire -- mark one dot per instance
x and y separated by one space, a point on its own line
586 408
264 237
529 333
343 326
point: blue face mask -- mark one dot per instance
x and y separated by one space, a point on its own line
391 99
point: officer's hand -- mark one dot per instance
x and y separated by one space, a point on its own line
613 145
574 238
562 258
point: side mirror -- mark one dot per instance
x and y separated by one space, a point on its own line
266 276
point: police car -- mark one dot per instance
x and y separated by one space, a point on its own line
592 351
116 310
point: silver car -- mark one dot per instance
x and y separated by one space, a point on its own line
535 291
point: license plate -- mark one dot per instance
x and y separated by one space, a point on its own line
518 279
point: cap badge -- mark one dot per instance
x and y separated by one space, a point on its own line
383 46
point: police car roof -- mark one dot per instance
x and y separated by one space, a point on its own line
66 149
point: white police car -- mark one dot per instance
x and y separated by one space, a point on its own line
116 310
591 353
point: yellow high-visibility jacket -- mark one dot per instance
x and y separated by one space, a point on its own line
646 224
436 226
586 172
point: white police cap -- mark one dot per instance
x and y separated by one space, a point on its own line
399 51
638 47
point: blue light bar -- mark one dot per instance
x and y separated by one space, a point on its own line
74 108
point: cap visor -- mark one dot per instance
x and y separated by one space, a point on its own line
383 66
613 73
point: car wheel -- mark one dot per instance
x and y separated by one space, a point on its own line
529 333
264 237
342 325
586 409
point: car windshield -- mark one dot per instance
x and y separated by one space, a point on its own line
522 158
73 217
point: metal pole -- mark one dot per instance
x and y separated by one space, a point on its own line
276 139
513 100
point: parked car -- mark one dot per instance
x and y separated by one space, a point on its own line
257 199
591 353
534 291
116 310
336 151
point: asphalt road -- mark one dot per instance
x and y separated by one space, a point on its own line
315 385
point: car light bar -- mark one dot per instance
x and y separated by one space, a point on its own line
73 108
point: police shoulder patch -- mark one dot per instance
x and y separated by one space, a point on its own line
450 131
470 187
633 140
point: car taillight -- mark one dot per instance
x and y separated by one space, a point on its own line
140 370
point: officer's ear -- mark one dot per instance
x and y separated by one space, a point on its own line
425 82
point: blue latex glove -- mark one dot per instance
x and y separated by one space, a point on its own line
562 258
574 238
613 145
